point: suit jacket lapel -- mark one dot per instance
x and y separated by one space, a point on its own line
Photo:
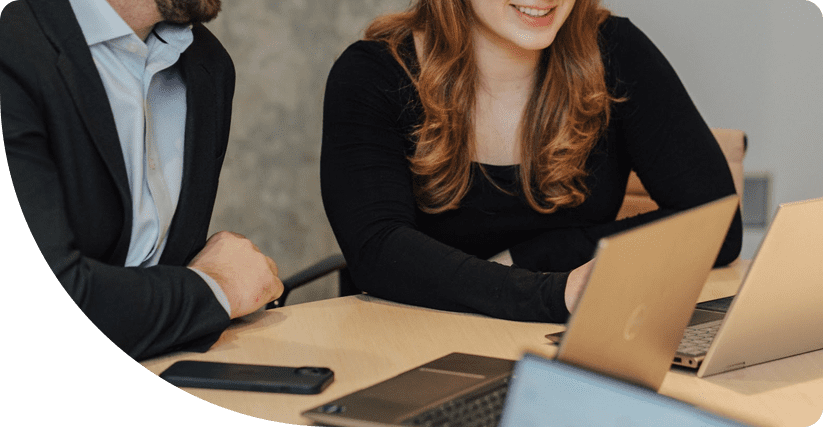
196 193
77 67
201 160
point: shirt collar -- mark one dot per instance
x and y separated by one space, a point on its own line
178 37
99 21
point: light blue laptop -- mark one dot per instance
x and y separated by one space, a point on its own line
548 392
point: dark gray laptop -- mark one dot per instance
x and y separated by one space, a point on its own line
628 323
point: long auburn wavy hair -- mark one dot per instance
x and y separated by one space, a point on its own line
565 116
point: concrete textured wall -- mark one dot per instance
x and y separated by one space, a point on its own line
270 185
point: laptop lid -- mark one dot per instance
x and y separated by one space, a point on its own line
641 294
777 311
390 402
544 390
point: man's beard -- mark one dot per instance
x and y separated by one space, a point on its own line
188 11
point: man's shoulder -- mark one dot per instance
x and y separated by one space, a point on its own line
16 19
206 46
22 39
14 11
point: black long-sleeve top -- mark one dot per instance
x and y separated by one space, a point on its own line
396 251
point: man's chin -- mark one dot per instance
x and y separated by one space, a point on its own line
187 12
184 23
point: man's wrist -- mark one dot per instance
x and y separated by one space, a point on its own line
215 287
504 258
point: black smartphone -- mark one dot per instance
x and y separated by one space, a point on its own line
235 376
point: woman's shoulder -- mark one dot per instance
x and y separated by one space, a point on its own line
372 48
367 75
619 30
627 51
368 58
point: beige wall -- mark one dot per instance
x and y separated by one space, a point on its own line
270 186
752 65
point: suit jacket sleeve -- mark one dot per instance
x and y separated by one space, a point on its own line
144 311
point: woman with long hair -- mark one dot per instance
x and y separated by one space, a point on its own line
474 151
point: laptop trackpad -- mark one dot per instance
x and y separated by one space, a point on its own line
703 316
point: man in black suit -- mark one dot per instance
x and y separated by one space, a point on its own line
115 117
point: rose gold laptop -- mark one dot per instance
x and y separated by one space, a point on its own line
628 323
778 309
640 296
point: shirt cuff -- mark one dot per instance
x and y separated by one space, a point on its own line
218 291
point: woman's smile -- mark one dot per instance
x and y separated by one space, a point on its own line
536 17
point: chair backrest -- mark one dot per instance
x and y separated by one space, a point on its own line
733 144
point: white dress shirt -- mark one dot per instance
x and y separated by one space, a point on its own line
148 99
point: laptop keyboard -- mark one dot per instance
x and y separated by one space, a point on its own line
697 338
476 410
720 304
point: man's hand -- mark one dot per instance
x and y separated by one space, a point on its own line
247 277
576 283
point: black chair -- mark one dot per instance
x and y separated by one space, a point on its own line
328 265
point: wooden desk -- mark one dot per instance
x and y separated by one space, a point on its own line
365 340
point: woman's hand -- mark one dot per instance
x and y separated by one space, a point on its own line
576 283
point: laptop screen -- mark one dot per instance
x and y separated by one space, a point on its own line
546 390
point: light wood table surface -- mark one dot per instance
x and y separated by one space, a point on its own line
365 340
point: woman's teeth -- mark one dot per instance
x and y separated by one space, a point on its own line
535 13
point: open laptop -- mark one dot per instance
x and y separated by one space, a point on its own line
778 309
627 324
544 390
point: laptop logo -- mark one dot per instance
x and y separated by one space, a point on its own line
634 323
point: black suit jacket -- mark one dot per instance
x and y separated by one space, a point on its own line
68 172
